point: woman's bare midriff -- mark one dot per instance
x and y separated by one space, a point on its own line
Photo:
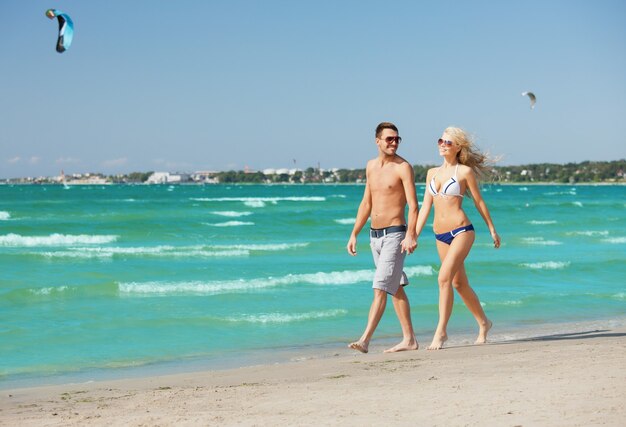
448 214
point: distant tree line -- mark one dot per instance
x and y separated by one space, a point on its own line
587 171
569 173
133 177
613 171
308 175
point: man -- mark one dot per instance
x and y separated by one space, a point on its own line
389 188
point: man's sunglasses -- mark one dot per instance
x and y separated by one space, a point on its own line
391 139
444 141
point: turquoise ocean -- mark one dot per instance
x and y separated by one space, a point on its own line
98 281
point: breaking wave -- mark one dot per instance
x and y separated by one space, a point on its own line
284 317
228 223
540 241
538 222
231 214
548 265
334 278
55 240
346 221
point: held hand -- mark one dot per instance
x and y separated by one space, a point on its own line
351 247
408 244
496 239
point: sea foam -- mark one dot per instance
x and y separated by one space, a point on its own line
48 290
540 241
615 240
255 203
540 222
150 251
231 214
346 221
262 199
285 317
561 193
55 240
235 286
548 265
168 251
76 255
4 216
498 303
590 233
259 202
260 247
228 223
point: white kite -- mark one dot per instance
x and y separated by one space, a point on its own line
532 97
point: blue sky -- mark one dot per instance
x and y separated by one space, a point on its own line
219 85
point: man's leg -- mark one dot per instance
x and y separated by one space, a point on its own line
403 311
376 312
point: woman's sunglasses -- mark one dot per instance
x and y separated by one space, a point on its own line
444 141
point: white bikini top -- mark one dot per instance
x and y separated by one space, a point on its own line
450 187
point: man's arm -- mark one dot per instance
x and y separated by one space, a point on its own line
365 209
408 182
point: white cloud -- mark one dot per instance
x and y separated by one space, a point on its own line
66 160
180 166
14 160
115 162
34 160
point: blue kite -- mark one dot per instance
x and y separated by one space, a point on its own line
66 29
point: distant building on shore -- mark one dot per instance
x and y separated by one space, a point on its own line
81 179
205 177
168 178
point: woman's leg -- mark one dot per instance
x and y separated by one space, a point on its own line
452 257
460 282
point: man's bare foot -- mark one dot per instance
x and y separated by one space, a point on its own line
359 345
403 346
438 341
482 333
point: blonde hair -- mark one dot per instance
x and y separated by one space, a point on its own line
470 155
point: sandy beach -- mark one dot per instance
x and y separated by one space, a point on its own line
571 379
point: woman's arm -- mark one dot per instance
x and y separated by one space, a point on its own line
481 206
427 203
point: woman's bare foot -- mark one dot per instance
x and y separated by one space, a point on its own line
360 346
404 345
482 333
438 341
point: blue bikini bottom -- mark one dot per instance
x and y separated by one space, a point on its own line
448 237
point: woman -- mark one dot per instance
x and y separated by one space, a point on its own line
445 187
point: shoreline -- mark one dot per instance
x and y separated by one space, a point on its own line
231 360
568 378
